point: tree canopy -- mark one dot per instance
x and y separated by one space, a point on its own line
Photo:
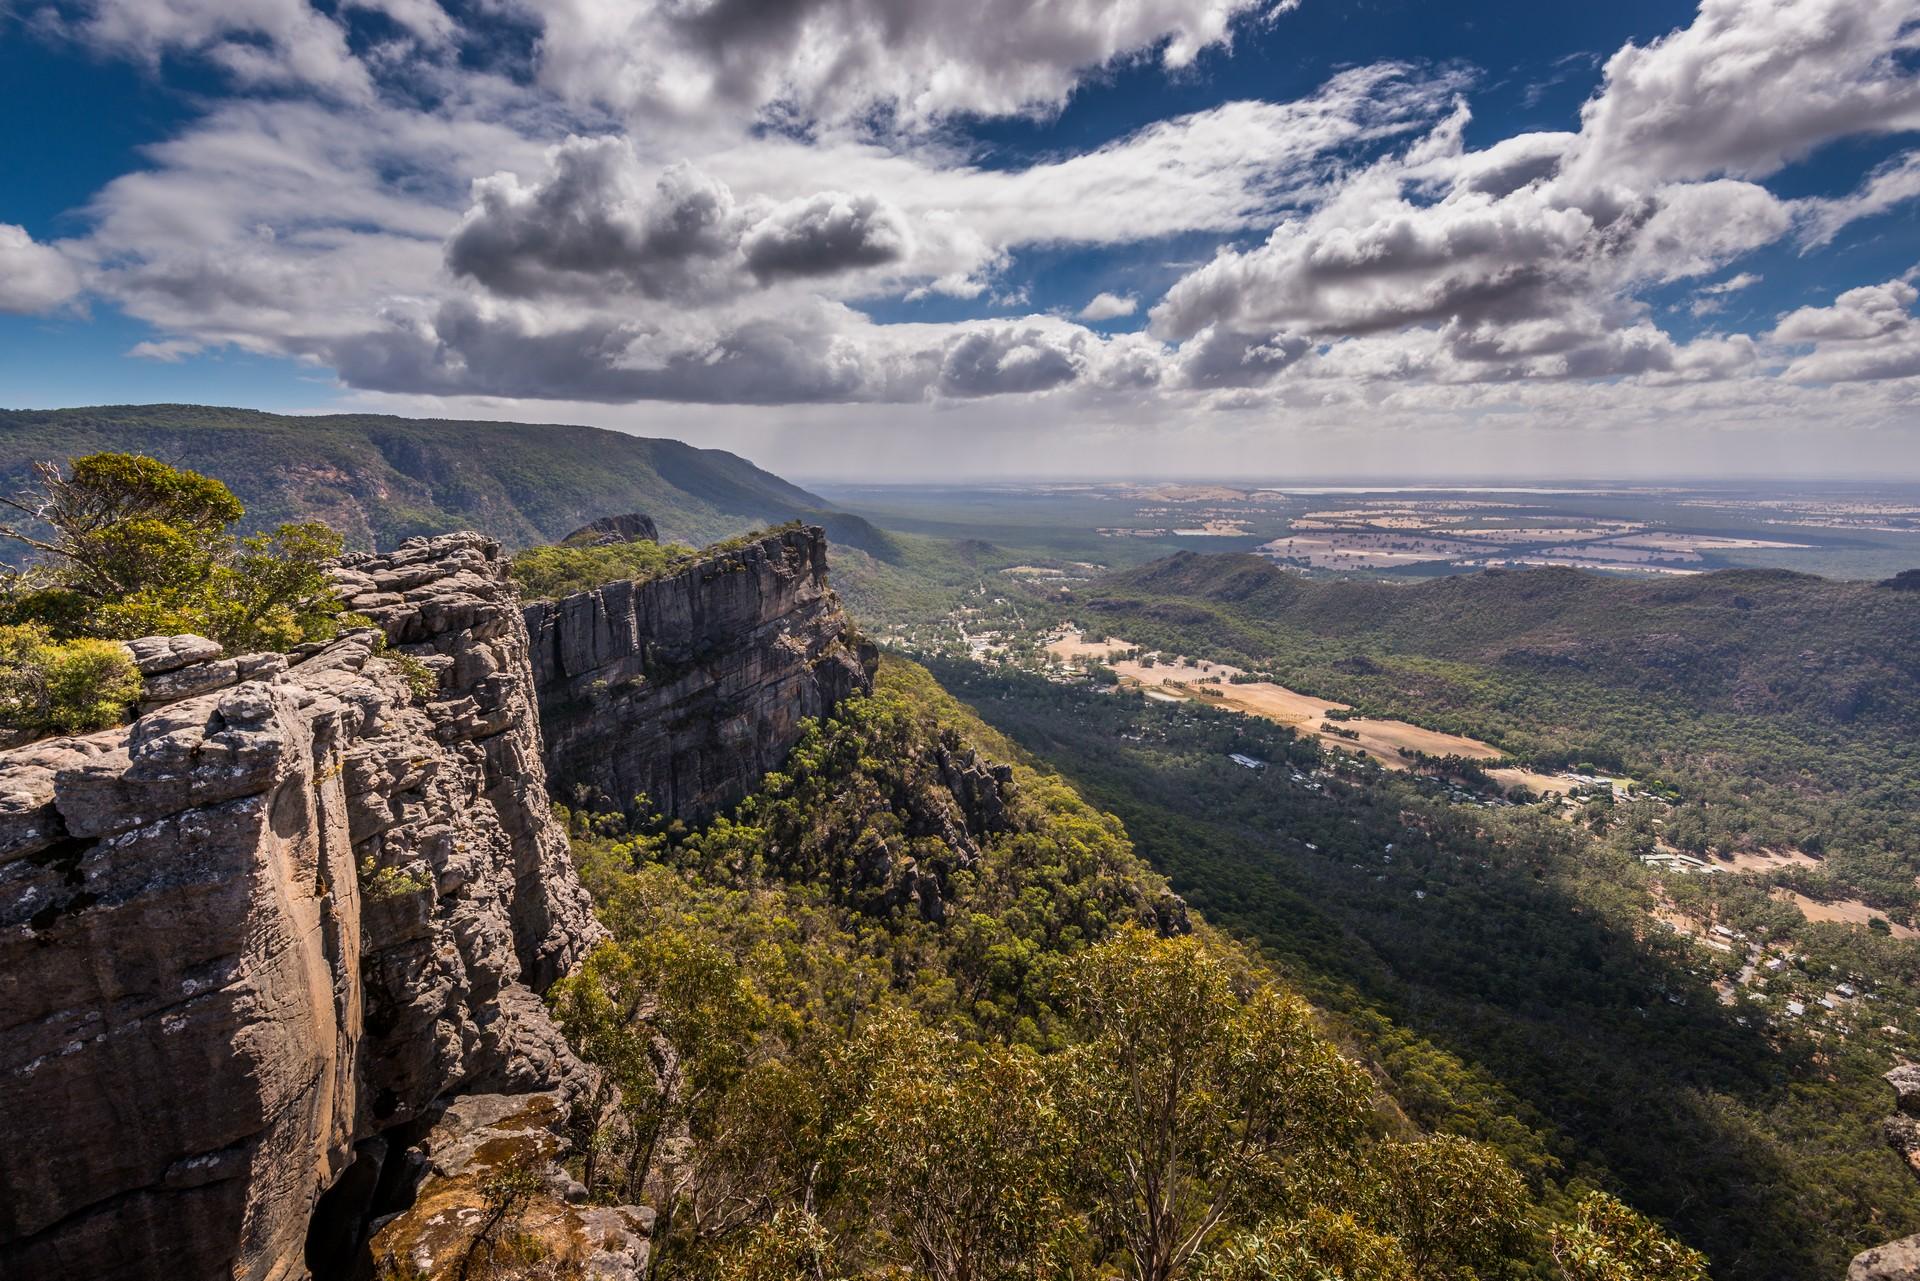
129 546
1040 1079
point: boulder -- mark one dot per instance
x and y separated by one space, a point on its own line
608 530
472 1142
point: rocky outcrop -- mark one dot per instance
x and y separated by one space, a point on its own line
687 688
609 530
1897 1260
292 908
478 1139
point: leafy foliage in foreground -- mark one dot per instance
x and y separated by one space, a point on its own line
61 687
1610 1240
129 547
1028 1080
134 547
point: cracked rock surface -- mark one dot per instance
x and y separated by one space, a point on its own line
297 903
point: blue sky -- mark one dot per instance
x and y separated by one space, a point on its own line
876 238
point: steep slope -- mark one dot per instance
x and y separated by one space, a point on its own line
686 688
380 480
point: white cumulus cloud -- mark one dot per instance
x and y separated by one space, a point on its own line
33 277
1109 306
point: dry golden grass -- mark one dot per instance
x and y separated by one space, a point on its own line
1380 739
1846 911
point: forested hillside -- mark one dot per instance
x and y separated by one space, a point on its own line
378 479
1779 708
1507 969
910 1012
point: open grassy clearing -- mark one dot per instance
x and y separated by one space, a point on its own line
1383 740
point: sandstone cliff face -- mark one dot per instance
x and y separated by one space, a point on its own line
289 908
688 688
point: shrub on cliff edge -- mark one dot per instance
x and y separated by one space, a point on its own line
61 687
129 546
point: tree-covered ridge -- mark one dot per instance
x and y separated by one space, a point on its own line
1780 706
379 479
1733 641
1041 1069
553 570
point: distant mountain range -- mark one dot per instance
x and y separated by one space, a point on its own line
380 479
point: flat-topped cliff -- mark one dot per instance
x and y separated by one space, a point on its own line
687 688
294 904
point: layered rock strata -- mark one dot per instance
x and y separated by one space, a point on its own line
295 905
686 689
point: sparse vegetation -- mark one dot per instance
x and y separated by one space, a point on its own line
385 883
422 683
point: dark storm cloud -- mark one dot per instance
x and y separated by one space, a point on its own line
594 226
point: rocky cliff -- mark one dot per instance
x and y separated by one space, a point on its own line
292 908
686 689
1897 1260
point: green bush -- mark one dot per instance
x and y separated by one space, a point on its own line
62 687
128 546
547 573
384 883
420 678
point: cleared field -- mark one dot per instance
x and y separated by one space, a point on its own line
1770 860
1846 911
1627 553
1383 537
1366 550
1213 683
1699 543
1614 566
1530 534
1215 529
1074 644
1544 784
